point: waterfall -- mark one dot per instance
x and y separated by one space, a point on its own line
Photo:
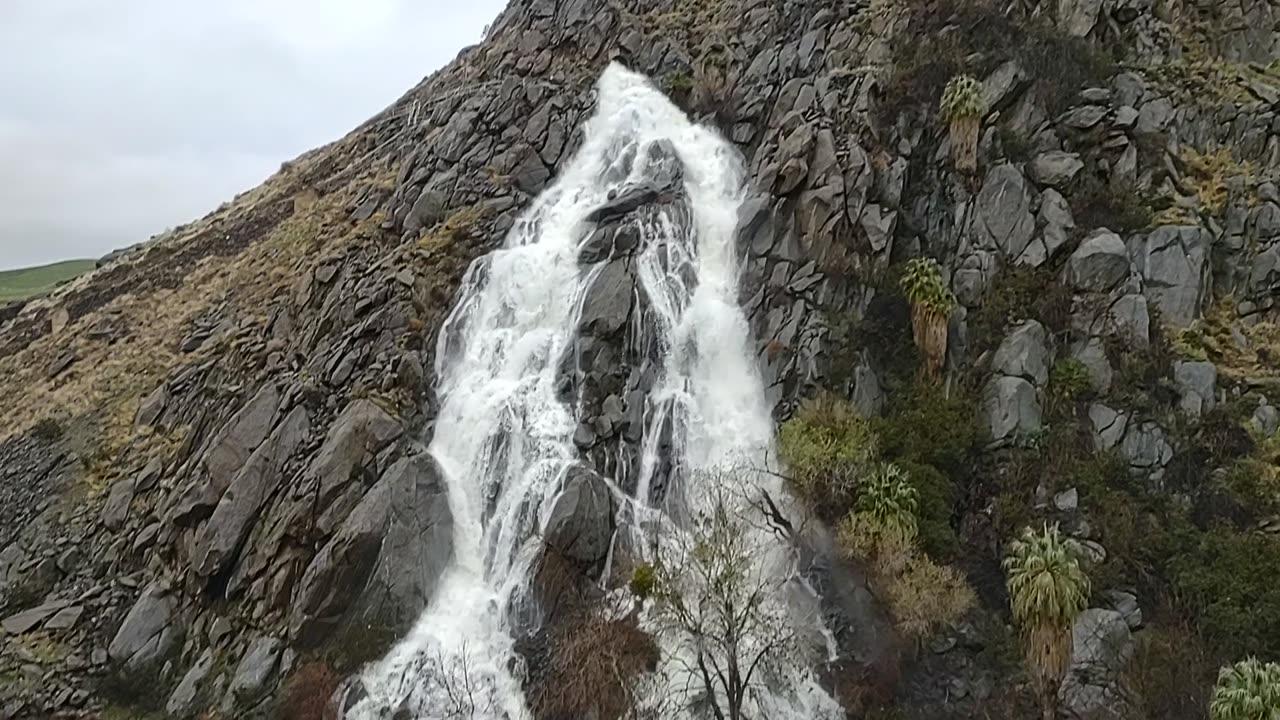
504 436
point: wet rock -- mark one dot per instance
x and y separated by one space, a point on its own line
1011 408
384 562
1025 353
149 634
1055 168
221 538
1197 383
581 522
607 304
1099 263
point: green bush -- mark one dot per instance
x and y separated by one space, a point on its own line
48 430
1069 380
827 446
642 581
1228 581
937 500
1019 294
1095 203
925 425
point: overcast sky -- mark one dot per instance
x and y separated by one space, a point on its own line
119 119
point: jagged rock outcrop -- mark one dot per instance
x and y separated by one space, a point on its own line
239 407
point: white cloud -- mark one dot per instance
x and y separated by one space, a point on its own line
120 119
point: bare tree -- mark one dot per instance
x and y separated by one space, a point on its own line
463 697
714 592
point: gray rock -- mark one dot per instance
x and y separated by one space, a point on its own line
28 620
66 618
1099 264
1011 408
1084 117
1004 210
1126 116
116 508
1001 84
1131 320
1056 222
1067 500
868 397
148 475
1171 261
1146 448
227 454
254 673
1126 604
607 304
355 438
1197 383
182 701
581 523
151 407
1025 353
1102 647
1055 168
383 564
221 538
1108 426
1092 353
1266 419
1077 17
1154 116
149 634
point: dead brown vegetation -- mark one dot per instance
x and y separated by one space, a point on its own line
595 665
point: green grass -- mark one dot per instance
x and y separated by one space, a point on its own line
34 281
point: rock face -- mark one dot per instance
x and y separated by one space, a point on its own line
239 406
383 564
1102 647
149 634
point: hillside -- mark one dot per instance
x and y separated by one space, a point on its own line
1003 266
30 282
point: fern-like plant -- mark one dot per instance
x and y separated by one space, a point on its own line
1047 590
1247 690
888 499
962 108
931 305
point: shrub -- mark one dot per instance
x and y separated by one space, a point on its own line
827 446
1017 294
48 430
1068 383
925 425
937 499
1227 580
889 500
1171 671
308 694
1247 690
642 581
595 664
1096 204
919 593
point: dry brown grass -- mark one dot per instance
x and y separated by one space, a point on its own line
919 593
1211 338
309 692
595 665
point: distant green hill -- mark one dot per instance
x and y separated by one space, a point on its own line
33 281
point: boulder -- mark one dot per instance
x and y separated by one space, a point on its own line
1077 17
1011 408
1125 603
1025 353
1172 263
182 701
1146 448
149 634
1266 420
355 438
1102 647
1099 263
1056 222
220 539
607 304
1004 210
254 673
385 560
151 406
1055 168
1108 426
580 524
1092 353
1197 383
1131 320
116 508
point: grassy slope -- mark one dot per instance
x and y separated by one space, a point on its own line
29 282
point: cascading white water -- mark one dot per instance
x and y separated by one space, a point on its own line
504 438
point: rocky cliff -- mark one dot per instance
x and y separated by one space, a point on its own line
213 476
